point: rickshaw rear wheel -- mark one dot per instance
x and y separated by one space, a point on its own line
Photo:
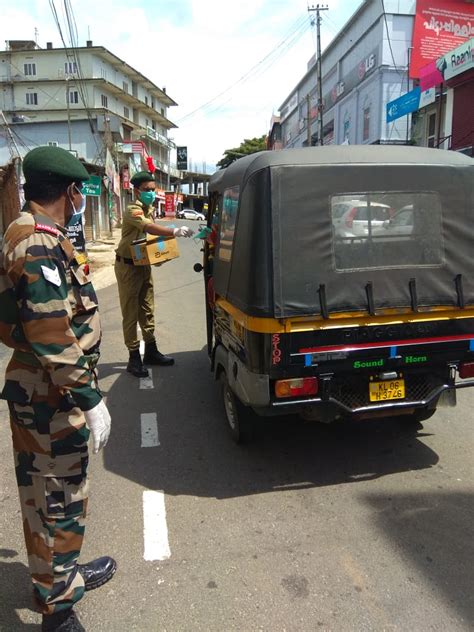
240 418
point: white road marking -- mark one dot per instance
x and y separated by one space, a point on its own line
146 383
155 529
149 425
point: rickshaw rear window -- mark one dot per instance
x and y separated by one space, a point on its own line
386 230
230 203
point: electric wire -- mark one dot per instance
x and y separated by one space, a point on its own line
295 31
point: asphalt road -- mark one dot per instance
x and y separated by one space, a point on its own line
364 526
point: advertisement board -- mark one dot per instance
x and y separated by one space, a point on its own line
447 66
404 105
169 204
440 26
182 158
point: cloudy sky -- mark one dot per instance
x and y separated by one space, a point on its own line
229 64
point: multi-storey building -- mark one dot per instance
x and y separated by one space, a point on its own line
86 100
363 68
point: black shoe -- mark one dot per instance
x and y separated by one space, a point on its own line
135 365
153 356
98 572
62 621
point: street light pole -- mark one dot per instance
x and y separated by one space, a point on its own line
318 8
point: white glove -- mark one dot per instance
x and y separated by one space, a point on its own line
183 231
98 421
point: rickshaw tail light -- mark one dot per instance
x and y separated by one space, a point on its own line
466 369
296 387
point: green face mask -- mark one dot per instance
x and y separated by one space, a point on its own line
147 197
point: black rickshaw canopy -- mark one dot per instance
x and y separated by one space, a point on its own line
290 242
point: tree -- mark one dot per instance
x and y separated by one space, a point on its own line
249 146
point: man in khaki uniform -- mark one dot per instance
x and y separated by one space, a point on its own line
135 283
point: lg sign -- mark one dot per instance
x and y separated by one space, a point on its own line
366 66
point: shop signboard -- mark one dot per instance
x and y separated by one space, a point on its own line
440 26
453 63
407 103
92 187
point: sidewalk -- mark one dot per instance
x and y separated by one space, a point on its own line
101 256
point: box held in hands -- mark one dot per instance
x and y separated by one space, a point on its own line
153 251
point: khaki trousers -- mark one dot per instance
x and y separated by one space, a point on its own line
135 287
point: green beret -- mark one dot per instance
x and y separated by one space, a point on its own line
141 177
53 164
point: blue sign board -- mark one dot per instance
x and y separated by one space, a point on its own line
404 105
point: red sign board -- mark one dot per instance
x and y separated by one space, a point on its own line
169 205
440 26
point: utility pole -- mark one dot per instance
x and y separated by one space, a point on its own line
318 8
68 113
409 49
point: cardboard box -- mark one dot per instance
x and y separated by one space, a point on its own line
154 250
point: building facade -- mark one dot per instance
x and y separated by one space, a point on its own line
363 68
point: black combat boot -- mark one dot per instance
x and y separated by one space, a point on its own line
135 365
62 621
153 356
98 572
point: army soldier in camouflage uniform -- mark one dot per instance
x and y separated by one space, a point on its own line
135 283
49 317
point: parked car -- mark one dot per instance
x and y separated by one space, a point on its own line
189 213
351 218
401 223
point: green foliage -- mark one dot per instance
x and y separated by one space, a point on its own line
248 146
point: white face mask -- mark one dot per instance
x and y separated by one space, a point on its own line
82 206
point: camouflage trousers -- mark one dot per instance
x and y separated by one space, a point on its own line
50 450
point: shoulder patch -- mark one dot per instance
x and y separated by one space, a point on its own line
44 228
137 213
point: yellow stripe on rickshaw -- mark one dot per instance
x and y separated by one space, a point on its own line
348 319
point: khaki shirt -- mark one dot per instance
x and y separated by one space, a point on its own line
134 221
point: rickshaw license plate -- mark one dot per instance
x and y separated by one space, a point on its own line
383 391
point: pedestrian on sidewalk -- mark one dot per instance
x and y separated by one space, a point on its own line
135 283
49 317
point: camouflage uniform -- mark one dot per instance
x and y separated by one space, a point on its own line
135 283
49 316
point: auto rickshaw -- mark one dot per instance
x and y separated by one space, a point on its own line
340 283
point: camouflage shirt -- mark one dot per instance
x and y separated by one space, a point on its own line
134 221
48 313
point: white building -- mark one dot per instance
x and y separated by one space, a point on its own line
363 68
83 100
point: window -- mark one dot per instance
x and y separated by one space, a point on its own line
125 86
104 100
146 100
387 230
70 68
230 205
29 70
53 143
431 135
73 96
103 73
366 123
153 103
126 112
163 112
31 98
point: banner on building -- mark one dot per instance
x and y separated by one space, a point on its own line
182 158
125 178
440 26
